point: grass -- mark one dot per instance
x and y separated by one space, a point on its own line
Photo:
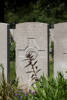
51 69
12 70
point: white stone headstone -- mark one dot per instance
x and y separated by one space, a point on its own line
60 49
0 74
3 47
31 36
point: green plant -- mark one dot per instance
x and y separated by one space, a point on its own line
50 89
7 91
46 89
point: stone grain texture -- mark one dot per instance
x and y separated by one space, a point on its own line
31 36
60 49
3 48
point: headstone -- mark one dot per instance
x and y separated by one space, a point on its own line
0 74
12 33
3 48
31 36
60 49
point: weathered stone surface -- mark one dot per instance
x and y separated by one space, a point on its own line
52 34
0 74
60 49
3 48
31 36
12 32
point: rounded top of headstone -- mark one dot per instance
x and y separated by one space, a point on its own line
61 26
62 23
4 23
30 23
